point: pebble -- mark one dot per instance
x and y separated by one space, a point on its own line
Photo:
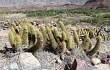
95 61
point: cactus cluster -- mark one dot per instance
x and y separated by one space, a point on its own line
57 37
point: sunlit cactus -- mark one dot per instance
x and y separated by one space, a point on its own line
97 46
61 25
86 45
69 41
20 30
31 35
12 41
51 38
26 21
63 46
76 37
25 40
56 34
45 35
18 41
64 36
39 44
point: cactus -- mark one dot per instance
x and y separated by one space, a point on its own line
91 34
39 43
76 37
69 41
97 46
51 38
61 25
31 35
63 46
25 36
12 39
56 34
43 30
18 41
86 44
20 30
64 36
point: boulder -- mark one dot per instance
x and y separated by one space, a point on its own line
28 61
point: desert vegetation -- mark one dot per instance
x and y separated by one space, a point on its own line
78 34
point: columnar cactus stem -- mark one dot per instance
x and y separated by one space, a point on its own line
18 41
12 39
76 37
25 36
51 38
97 46
63 47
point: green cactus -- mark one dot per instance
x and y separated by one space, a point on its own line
20 30
12 39
91 34
25 36
63 46
76 37
43 30
64 36
56 34
39 43
31 35
18 41
61 25
51 38
86 44
97 46
69 41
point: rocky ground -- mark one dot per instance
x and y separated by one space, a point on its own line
44 60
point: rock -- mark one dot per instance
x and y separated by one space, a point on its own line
14 66
95 61
58 60
62 56
68 52
28 61
102 67
79 65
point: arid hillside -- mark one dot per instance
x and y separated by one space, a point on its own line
97 4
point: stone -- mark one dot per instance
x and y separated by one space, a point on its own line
28 61
102 67
79 65
95 61
58 60
14 66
